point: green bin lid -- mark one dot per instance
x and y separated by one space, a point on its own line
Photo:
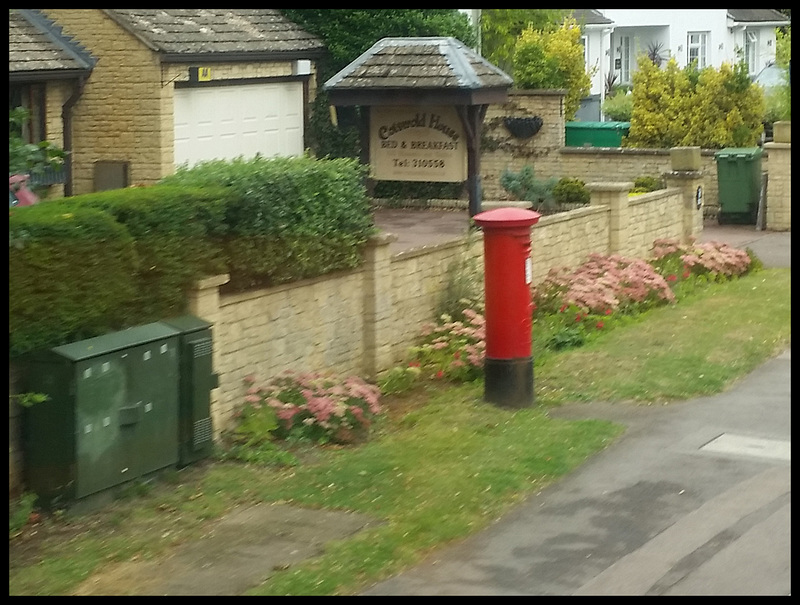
739 152
599 125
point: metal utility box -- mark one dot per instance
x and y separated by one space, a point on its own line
112 413
595 134
739 181
195 436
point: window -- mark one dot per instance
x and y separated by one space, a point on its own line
31 97
585 44
696 46
625 59
751 51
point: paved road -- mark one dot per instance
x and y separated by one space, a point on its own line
695 499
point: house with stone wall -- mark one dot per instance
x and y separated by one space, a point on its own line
134 93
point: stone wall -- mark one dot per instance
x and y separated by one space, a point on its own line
779 183
363 321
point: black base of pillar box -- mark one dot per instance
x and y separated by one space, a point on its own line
509 382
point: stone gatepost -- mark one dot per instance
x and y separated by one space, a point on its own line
686 175
615 196
779 183
204 303
378 315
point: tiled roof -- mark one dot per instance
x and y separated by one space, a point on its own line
439 63
37 48
590 16
755 15
212 31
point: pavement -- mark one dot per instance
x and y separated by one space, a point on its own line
694 499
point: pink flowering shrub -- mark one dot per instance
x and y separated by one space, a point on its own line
453 350
714 261
601 284
318 407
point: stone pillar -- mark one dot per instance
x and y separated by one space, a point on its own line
378 316
204 303
686 175
615 196
779 179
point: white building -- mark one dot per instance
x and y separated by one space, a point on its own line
614 39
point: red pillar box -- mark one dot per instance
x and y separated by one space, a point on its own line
508 366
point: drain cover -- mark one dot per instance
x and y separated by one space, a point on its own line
750 446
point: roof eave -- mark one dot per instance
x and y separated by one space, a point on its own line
48 75
238 56
417 96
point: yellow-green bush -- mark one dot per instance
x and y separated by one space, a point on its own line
553 59
708 108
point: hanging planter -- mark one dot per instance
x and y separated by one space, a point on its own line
523 128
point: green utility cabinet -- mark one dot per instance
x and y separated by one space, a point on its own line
739 182
596 134
195 436
112 413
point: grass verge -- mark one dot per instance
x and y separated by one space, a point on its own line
442 465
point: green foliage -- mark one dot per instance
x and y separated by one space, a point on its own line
553 59
500 28
618 107
288 218
87 265
252 439
417 190
398 379
27 400
571 191
645 184
19 512
708 108
71 271
29 158
524 185
463 287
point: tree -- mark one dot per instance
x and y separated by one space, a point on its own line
501 27
553 58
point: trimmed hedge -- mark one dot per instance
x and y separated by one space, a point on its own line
86 265
70 272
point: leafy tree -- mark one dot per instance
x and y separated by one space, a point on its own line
500 28
553 59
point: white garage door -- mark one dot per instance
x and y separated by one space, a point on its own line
229 121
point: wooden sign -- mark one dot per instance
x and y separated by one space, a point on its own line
417 144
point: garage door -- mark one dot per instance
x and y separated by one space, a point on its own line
229 121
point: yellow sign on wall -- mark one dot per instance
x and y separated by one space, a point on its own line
417 144
203 74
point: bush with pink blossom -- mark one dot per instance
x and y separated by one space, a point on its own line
700 263
452 349
318 407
